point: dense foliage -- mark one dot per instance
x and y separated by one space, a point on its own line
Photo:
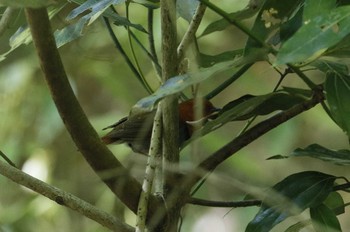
304 43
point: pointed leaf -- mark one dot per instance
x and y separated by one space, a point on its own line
324 219
316 36
70 32
337 88
249 106
97 8
221 24
179 83
340 157
304 190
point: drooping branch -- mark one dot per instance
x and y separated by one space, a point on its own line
63 198
103 162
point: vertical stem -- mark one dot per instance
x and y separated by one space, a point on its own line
169 107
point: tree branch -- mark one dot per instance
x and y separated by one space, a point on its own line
191 31
64 198
231 204
103 162
210 163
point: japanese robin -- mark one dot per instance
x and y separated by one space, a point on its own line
136 130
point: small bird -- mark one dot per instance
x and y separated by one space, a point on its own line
136 130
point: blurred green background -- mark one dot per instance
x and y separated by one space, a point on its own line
34 137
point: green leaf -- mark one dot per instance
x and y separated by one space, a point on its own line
249 106
179 83
330 66
316 36
291 26
272 14
221 24
305 93
314 8
208 60
23 36
335 202
340 157
324 219
337 87
27 3
341 49
298 226
98 8
304 190
70 32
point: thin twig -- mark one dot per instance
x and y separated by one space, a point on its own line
191 31
152 47
229 81
7 159
234 204
136 61
64 198
152 163
122 52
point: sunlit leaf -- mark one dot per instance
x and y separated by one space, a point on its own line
304 190
341 157
324 219
316 36
337 88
